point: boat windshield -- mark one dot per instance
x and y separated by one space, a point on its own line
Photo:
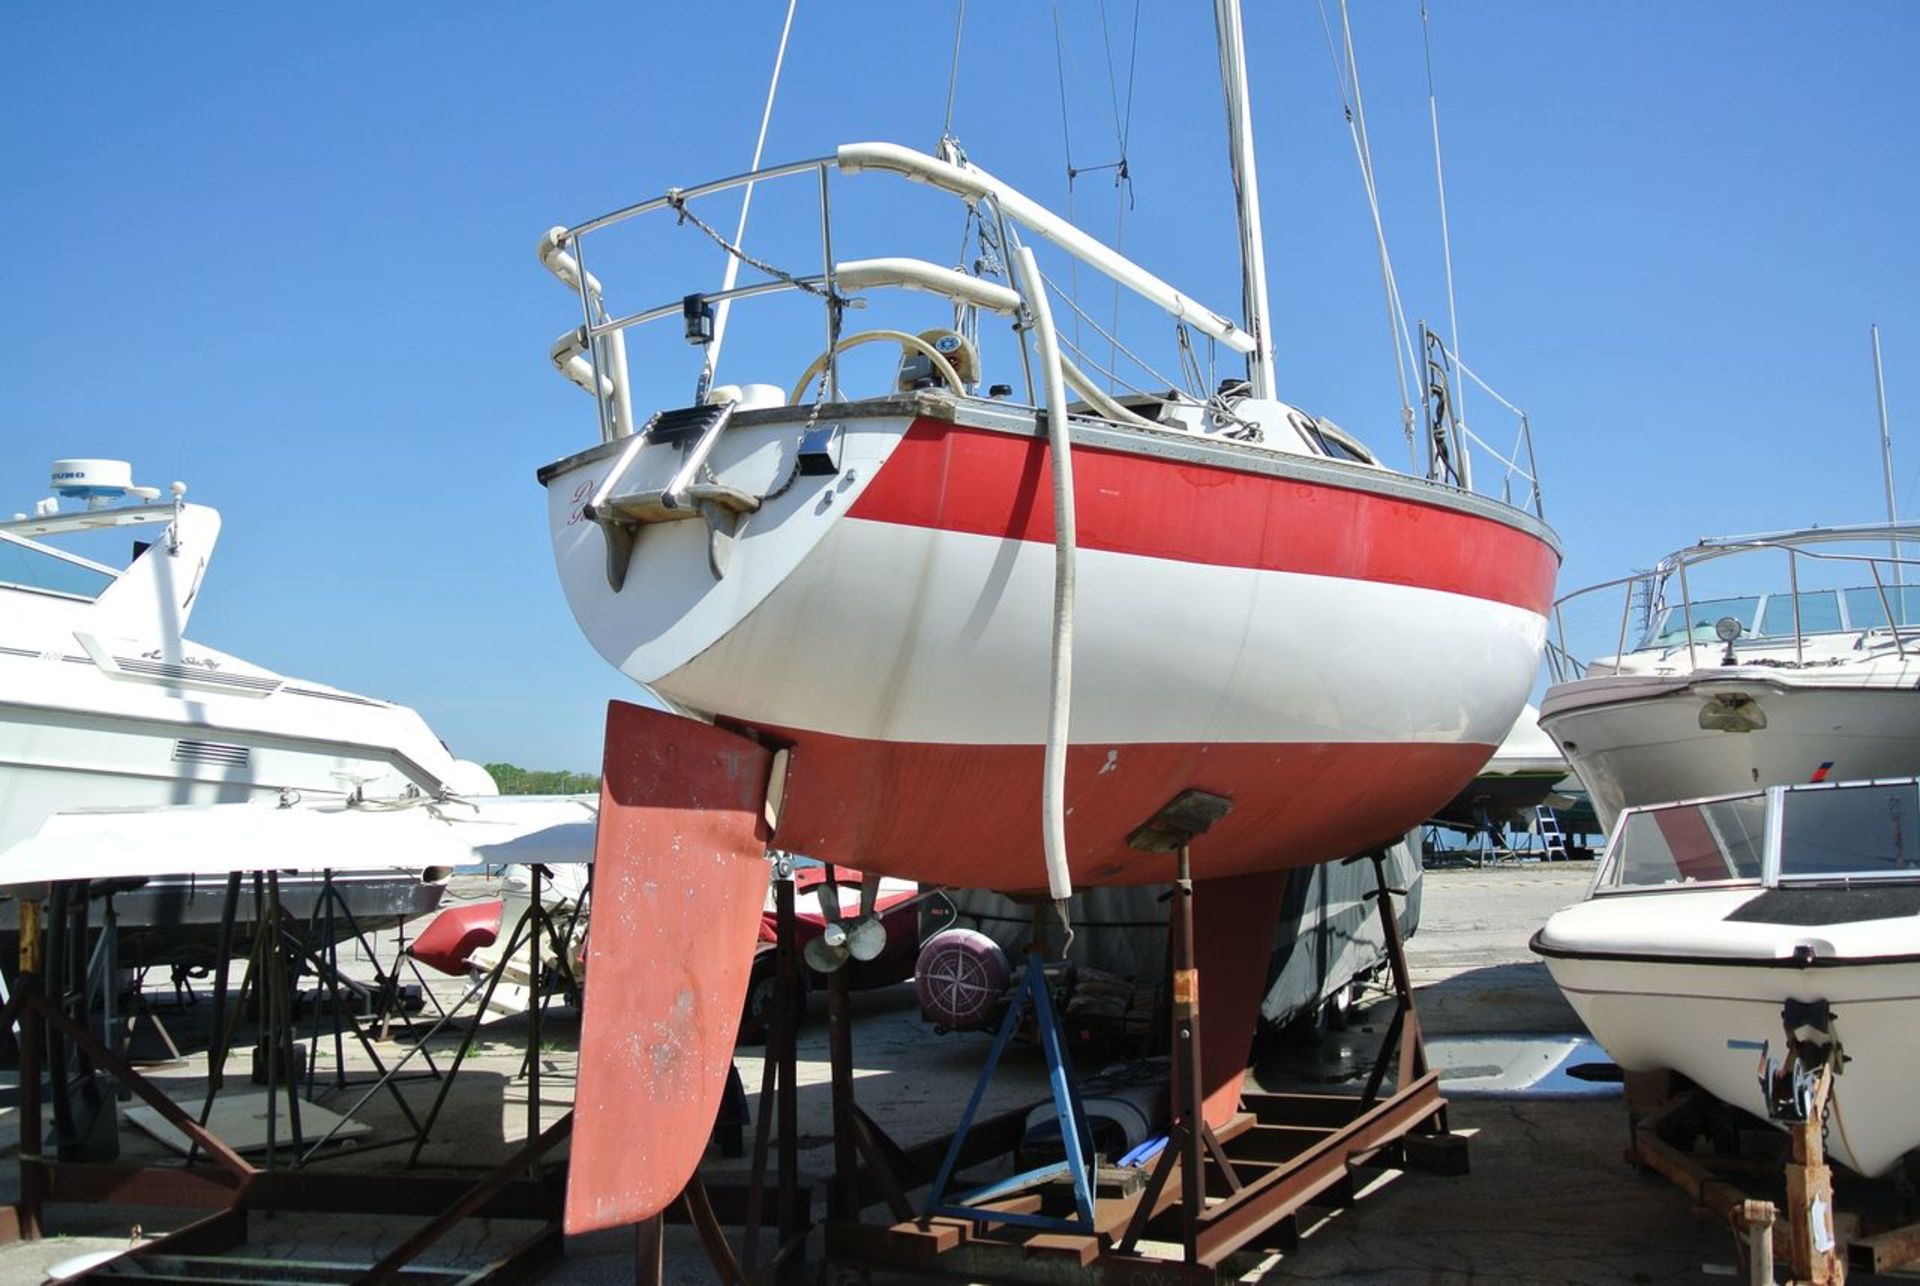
1850 831
1723 839
1671 626
1819 614
30 567
1867 609
1771 616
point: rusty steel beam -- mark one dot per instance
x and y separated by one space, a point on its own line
1234 1223
205 1187
477 1196
216 1234
27 985
1882 1252
523 1261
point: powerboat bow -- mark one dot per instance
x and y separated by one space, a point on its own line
1748 941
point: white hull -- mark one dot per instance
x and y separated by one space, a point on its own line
1680 1016
59 757
899 632
1251 661
1638 739
105 704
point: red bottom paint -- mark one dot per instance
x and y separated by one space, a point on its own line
969 816
680 883
1233 921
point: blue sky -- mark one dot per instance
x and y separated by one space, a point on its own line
286 254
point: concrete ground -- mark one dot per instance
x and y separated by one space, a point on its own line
1549 1198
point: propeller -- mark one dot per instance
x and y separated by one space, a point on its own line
829 951
868 939
863 938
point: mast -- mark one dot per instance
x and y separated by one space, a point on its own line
1246 189
1886 449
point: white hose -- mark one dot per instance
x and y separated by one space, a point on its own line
1053 797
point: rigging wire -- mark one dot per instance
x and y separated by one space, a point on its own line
1122 126
1066 142
1122 132
1114 346
953 72
1113 89
735 255
1440 184
1404 357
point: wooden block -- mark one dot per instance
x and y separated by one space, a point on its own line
1437 1153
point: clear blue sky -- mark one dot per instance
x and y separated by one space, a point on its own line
286 254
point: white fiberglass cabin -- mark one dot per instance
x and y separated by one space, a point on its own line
1753 661
106 704
1747 940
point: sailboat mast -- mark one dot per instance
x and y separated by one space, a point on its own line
1246 189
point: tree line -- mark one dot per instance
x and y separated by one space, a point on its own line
514 780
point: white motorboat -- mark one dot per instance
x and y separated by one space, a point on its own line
1726 689
1746 940
106 704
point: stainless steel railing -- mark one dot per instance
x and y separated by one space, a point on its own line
1888 574
594 354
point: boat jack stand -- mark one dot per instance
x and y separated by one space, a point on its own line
1076 1139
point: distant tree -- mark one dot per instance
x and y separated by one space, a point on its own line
514 780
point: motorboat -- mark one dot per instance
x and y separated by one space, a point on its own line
1724 688
105 703
1524 774
1746 941
997 619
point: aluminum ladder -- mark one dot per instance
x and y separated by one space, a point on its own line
1553 841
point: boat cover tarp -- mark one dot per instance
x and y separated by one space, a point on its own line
1325 934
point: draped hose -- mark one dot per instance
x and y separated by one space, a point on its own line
1053 797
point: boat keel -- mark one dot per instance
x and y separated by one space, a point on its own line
679 882
1233 921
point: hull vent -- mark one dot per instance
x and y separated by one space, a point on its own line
199 677
211 752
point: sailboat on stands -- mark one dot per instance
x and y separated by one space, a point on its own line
943 631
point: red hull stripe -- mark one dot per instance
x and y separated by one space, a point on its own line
970 815
952 478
